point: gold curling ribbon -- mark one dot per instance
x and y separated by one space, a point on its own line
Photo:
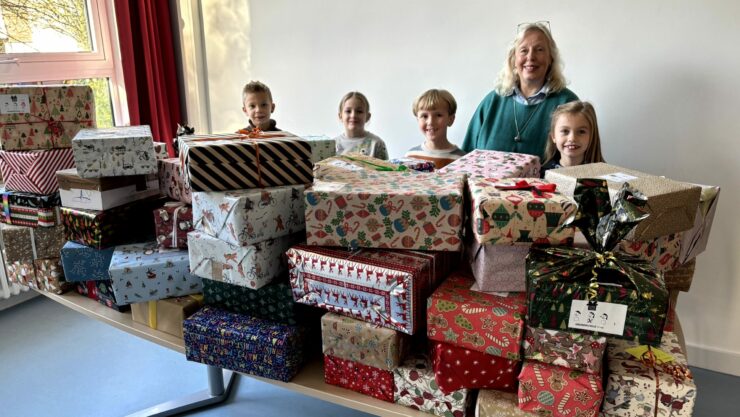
153 314
602 259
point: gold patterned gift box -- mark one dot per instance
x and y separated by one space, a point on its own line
168 314
22 243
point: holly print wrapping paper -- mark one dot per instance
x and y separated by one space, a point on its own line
457 368
559 392
173 222
114 152
495 164
367 380
415 387
172 181
580 352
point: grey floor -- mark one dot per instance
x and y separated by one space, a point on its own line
57 362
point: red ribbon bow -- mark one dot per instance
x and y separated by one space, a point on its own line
538 190
679 373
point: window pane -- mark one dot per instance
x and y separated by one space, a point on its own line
34 26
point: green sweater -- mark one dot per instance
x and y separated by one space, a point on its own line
492 126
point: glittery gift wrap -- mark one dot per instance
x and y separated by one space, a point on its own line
494 403
28 209
104 193
362 342
415 387
519 212
50 276
173 222
496 164
34 171
635 387
52 117
244 344
272 302
498 267
493 324
457 367
680 278
694 241
387 288
577 351
559 392
403 210
322 147
247 217
114 151
83 263
367 380
101 292
251 266
21 243
141 272
166 315
420 165
172 182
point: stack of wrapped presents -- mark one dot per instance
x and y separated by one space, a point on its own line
477 289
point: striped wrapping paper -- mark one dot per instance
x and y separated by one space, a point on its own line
235 161
34 171
28 209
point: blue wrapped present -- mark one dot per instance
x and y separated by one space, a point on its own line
83 263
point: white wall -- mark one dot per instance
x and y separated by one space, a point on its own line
663 76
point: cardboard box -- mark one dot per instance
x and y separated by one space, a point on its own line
34 171
104 193
114 152
166 315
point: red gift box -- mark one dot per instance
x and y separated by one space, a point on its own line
456 368
559 392
173 222
367 380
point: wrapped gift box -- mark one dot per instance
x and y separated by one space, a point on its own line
362 342
351 165
672 205
662 252
420 165
367 380
415 387
101 292
34 171
104 193
520 212
114 152
457 368
160 151
21 243
556 391
634 382
173 222
322 147
386 288
166 315
248 266
172 182
50 276
680 278
83 263
44 117
493 403
694 240
32 210
404 210
236 161
576 351
496 164
498 268
141 272
493 324
273 301
246 217
21 273
245 344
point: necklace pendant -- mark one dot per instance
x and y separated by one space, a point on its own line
517 138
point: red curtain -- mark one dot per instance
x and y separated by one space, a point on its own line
148 61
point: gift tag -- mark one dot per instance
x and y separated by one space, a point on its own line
639 351
618 177
14 104
604 318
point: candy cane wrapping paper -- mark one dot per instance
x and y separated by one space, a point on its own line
560 392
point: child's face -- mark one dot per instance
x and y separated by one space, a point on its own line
434 122
354 115
572 136
258 107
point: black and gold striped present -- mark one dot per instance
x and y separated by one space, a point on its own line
237 161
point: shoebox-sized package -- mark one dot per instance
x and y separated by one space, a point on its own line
387 288
694 241
34 171
21 273
498 268
456 368
21 243
415 387
43 274
173 222
83 263
322 147
495 164
244 344
166 315
44 117
172 181
103 193
251 266
237 161
494 403
273 301
114 152
101 292
672 204
401 210
142 272
577 351
350 165
639 380
558 392
365 379
246 217
28 209
358 341
493 324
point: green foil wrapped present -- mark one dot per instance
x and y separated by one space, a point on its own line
598 291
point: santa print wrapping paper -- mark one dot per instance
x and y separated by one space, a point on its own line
114 151
362 342
488 323
83 263
495 164
246 217
244 344
494 403
403 210
519 212
173 222
580 352
559 392
415 387
44 117
21 243
28 209
272 302
172 181
634 387
101 292
34 171
456 368
367 380
386 288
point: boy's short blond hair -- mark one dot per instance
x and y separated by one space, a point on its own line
253 87
434 98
